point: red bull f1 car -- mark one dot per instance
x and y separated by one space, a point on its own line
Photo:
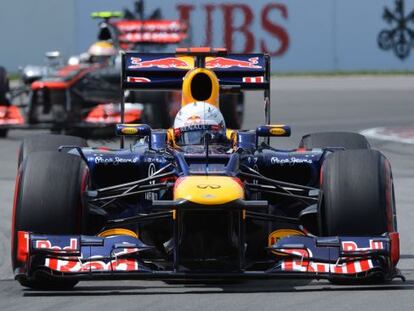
199 200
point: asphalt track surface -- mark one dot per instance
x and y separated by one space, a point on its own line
308 105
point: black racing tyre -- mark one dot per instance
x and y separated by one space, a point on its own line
347 140
356 194
47 142
48 200
232 108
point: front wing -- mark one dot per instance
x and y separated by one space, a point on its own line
119 257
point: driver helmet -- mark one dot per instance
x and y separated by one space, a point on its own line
196 119
101 51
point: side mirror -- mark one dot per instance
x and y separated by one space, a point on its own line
140 130
279 130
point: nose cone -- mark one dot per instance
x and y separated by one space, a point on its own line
208 190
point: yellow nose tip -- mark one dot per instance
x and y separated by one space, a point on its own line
208 190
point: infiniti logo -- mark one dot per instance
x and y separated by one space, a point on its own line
205 186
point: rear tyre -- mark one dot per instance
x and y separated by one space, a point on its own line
47 142
346 140
48 200
357 194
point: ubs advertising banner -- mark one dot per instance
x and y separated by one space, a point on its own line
300 35
307 35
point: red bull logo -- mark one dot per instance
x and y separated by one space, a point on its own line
351 246
351 267
175 62
75 266
47 245
168 62
193 119
224 62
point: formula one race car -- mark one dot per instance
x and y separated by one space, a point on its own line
84 94
199 200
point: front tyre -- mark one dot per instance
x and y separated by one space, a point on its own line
47 142
357 199
48 200
357 194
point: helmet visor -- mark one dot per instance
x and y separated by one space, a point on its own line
197 137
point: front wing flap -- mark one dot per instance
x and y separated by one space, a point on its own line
346 256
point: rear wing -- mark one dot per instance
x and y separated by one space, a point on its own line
127 34
150 31
165 71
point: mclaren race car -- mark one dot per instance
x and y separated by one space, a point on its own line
84 94
200 200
